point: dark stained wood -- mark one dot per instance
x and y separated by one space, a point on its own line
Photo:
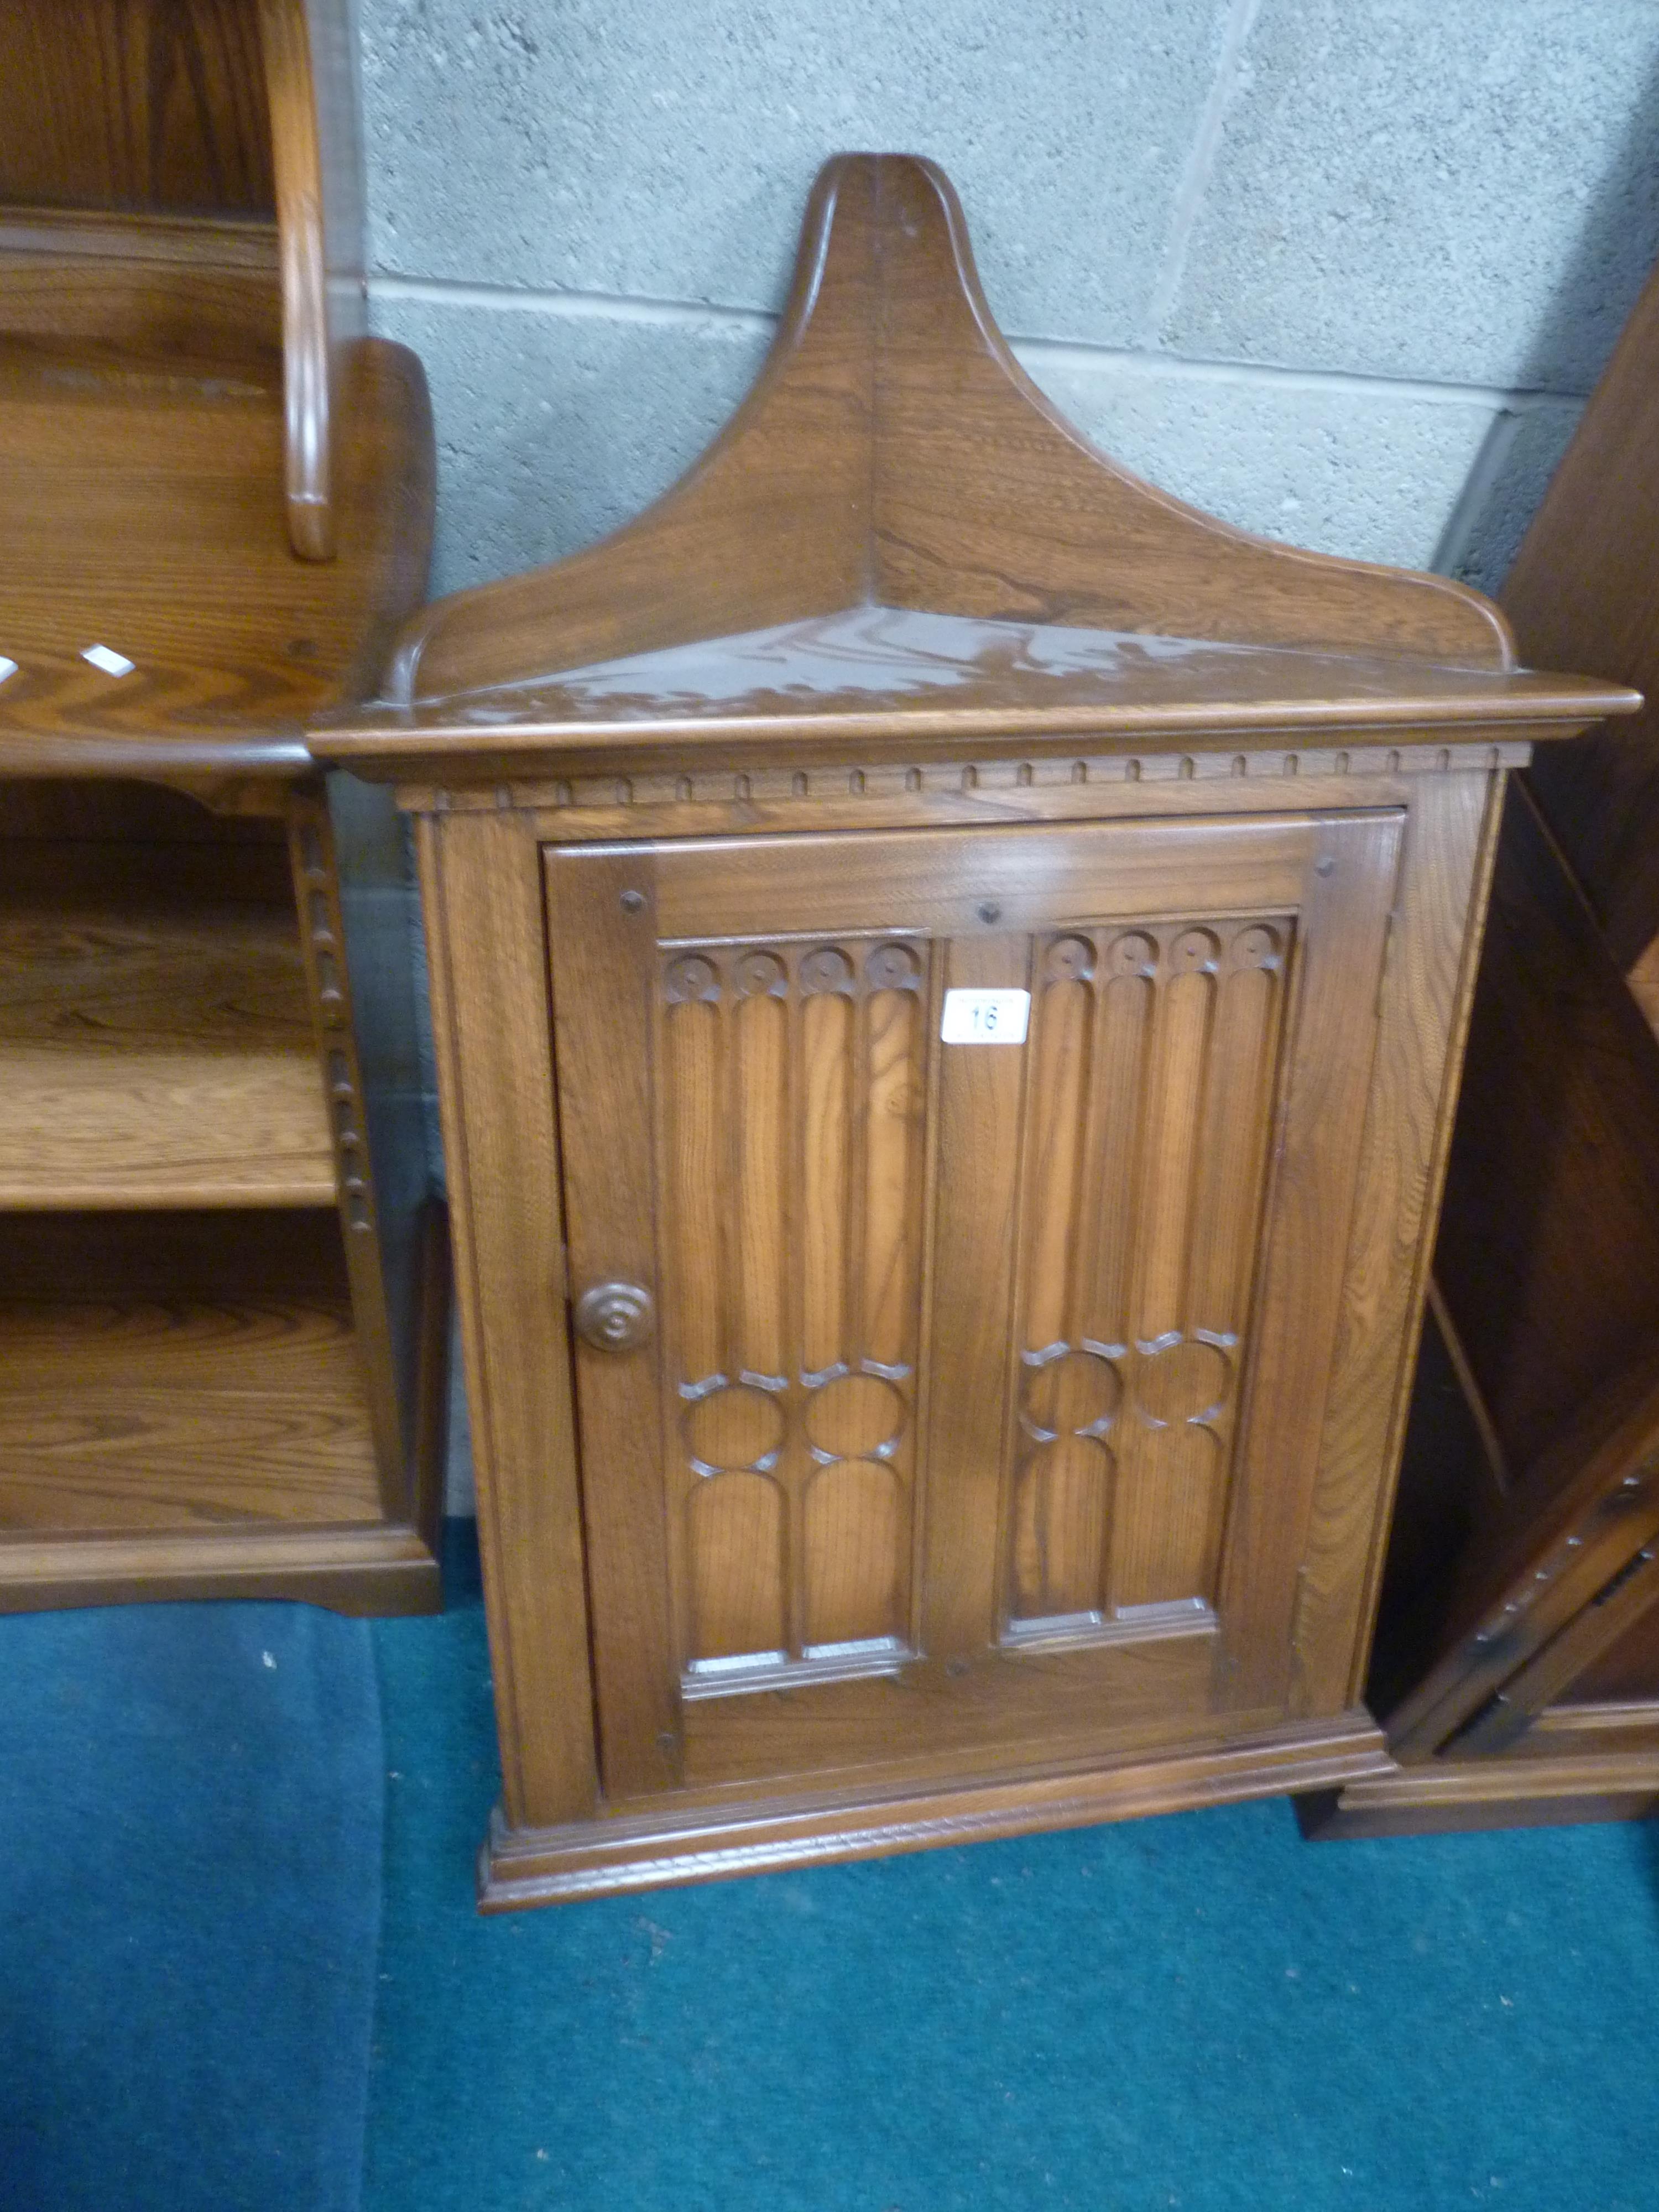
1582 588
894 686
1519 1586
1476 1795
928 1439
1626 1672
751 1547
1549 1260
153 105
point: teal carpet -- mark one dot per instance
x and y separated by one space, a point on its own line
190 1869
1201 2012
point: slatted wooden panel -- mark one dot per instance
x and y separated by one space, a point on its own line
1151 1092
791 1126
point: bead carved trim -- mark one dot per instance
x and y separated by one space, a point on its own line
839 782
322 937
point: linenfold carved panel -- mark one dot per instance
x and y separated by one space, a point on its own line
795 1082
792 1106
1153 1054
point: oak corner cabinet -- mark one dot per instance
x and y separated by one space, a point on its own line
949 969
224 1300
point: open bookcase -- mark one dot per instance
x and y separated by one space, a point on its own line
222 1291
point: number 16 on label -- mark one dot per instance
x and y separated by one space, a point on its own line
985 1016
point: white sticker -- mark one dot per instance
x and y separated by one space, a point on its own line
105 656
6 668
985 1016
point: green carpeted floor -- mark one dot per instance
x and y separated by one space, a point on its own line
1201 2012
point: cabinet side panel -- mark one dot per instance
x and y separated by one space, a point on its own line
1449 842
1330 1050
481 882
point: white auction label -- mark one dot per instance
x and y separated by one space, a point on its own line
985 1016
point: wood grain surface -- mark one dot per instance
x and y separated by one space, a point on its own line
843 481
900 1439
222 1401
155 1045
179 1372
905 1501
140 104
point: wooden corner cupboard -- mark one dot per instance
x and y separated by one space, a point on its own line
1517 1667
949 968
221 1297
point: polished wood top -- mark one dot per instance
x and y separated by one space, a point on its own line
898 535
879 669
215 492
143 512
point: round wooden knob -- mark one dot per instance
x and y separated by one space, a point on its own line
614 1316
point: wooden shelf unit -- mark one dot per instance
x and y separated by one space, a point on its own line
222 1308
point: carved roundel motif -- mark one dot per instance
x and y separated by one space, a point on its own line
892 967
1193 949
855 1416
1187 1382
761 974
1069 960
1256 947
1076 1395
691 976
1133 954
734 1428
826 968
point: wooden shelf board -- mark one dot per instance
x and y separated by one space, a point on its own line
145 512
201 1375
155 1048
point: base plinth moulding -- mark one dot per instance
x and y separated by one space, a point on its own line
610 1855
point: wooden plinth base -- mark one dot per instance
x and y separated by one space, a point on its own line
601 1856
1446 1796
373 1570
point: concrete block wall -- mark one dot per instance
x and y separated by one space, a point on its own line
1340 271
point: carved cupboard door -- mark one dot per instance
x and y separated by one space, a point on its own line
957 1223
